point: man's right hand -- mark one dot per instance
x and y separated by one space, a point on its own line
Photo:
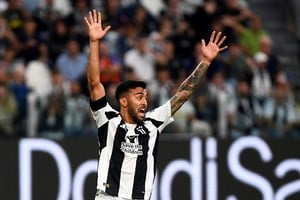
95 29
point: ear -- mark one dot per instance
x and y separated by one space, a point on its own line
123 102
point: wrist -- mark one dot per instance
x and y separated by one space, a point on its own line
204 62
92 41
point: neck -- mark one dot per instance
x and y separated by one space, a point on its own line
126 117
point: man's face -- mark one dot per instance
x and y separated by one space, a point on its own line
137 104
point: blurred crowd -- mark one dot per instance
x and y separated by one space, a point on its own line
44 55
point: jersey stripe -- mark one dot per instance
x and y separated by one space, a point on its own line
114 173
141 169
102 136
155 150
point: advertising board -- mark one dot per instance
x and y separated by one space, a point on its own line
189 168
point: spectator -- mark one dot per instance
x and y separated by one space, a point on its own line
8 39
8 59
220 92
141 60
128 74
40 85
114 14
110 66
186 120
46 14
63 7
164 54
183 39
74 19
125 39
243 111
261 80
52 114
15 16
143 21
248 37
59 35
237 10
29 39
174 10
160 87
203 18
280 112
205 111
8 112
72 62
273 65
21 91
77 118
236 63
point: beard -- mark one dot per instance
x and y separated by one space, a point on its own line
133 114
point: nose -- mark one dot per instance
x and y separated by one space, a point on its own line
145 102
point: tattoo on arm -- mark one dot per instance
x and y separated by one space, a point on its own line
187 87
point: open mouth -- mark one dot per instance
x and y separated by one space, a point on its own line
142 112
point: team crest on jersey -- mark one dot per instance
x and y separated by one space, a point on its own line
132 139
142 130
131 145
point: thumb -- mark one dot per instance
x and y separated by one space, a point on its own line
203 43
107 29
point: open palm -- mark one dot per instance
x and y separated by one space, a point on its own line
95 29
212 49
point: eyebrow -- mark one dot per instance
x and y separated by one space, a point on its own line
141 93
137 93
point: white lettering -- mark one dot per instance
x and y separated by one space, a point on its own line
247 176
281 170
80 175
211 169
131 148
193 169
26 148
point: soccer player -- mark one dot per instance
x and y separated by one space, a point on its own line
128 138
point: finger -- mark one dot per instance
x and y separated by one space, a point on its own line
212 36
221 49
87 21
221 41
203 43
107 29
91 20
217 37
95 16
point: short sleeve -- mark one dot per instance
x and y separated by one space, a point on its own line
99 108
161 114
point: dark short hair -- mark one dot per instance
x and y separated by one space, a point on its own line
126 86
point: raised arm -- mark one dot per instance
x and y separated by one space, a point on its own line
96 32
209 52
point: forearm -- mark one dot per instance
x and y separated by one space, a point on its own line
93 72
187 87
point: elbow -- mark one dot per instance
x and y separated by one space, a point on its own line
184 95
93 83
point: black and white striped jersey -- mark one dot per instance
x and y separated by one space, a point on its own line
127 160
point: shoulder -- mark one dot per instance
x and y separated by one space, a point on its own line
98 104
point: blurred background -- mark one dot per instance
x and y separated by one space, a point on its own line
251 89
